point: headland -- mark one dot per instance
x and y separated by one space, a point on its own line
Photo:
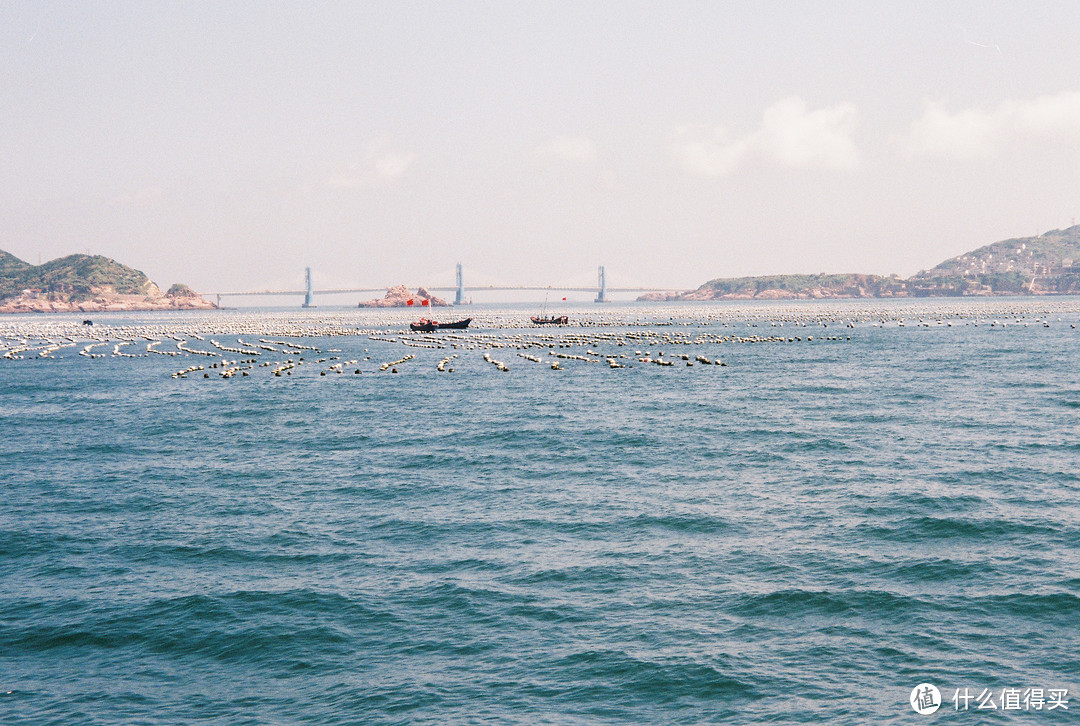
1048 264
86 283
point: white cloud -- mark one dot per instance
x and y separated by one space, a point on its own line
976 133
394 165
379 165
579 149
712 153
966 135
797 137
790 135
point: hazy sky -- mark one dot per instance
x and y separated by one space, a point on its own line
230 144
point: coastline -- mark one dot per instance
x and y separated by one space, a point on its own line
100 304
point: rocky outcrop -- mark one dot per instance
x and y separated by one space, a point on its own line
399 296
181 291
85 284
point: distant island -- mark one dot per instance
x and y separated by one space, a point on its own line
86 283
1048 264
400 297
1045 265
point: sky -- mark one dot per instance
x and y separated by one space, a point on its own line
229 145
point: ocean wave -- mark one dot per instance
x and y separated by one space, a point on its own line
1062 607
799 602
209 555
616 676
921 528
249 626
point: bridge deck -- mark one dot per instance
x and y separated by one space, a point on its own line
471 288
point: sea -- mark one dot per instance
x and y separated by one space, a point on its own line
845 512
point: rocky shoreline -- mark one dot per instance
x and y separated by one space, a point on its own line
767 294
103 301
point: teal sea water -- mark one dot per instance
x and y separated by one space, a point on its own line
800 536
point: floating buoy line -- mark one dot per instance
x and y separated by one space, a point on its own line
609 337
398 362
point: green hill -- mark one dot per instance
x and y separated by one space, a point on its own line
1048 253
1047 264
11 266
85 283
1044 265
846 285
74 277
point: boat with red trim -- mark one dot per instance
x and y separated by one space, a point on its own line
426 326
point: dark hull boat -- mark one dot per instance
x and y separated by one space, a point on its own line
427 326
560 320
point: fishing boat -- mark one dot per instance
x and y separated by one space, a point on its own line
543 319
551 320
426 326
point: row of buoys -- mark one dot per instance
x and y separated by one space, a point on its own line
421 343
189 369
286 367
288 344
393 365
238 351
778 313
339 367
309 324
47 350
182 345
86 352
117 353
231 371
597 333
571 356
497 363
151 348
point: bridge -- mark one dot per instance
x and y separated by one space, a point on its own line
601 289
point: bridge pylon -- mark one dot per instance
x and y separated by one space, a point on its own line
601 296
459 299
309 296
